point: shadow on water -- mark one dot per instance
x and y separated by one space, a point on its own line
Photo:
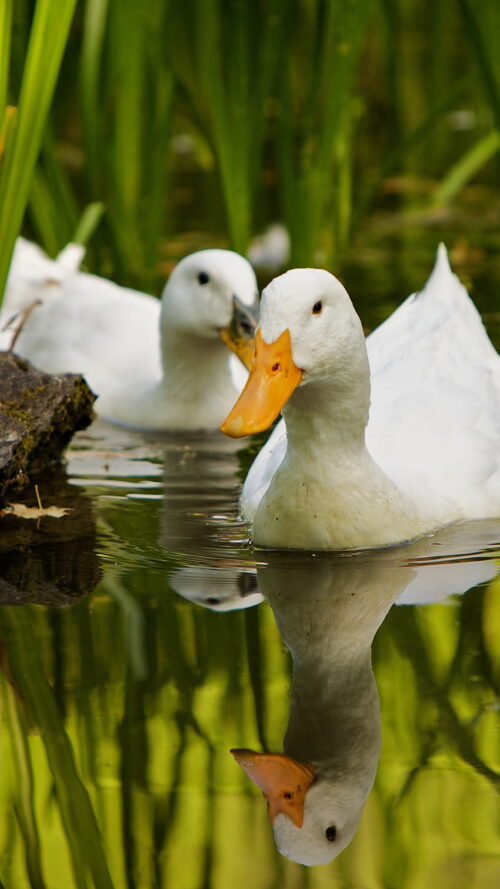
118 713
47 560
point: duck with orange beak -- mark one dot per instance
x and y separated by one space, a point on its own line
153 365
357 468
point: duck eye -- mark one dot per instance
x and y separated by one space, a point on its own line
203 278
317 307
331 833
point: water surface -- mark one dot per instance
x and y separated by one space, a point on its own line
141 638
161 641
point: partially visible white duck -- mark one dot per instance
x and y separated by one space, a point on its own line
431 452
153 365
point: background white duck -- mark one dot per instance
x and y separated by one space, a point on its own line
159 365
432 451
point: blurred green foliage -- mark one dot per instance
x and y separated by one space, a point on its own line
222 116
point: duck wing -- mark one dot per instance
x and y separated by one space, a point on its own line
435 408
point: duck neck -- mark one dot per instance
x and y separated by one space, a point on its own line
190 361
329 415
334 718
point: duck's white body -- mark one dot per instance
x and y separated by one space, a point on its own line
431 453
152 364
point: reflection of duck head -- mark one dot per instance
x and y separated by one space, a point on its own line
328 609
199 523
217 588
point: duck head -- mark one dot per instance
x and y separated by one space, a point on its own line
311 825
309 334
213 294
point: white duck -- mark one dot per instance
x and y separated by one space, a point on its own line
158 365
430 453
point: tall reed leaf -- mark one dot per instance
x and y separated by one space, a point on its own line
126 90
48 37
5 27
467 167
486 53
315 123
225 56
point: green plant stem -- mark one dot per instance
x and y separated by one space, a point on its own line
6 8
48 38
467 167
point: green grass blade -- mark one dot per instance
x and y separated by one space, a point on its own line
467 167
94 25
6 8
88 223
48 38
485 63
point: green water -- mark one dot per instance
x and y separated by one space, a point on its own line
141 639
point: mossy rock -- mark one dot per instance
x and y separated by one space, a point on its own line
39 414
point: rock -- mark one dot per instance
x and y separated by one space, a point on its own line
39 413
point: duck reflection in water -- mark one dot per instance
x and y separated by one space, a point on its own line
328 608
200 523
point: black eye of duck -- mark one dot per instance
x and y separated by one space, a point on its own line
317 307
331 833
203 278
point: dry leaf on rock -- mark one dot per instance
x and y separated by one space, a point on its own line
34 512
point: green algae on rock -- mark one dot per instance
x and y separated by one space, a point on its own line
39 413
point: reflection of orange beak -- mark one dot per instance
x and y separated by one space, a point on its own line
283 780
273 377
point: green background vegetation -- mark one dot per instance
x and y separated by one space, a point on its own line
204 120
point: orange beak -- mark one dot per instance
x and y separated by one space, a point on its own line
239 335
272 379
242 347
284 781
